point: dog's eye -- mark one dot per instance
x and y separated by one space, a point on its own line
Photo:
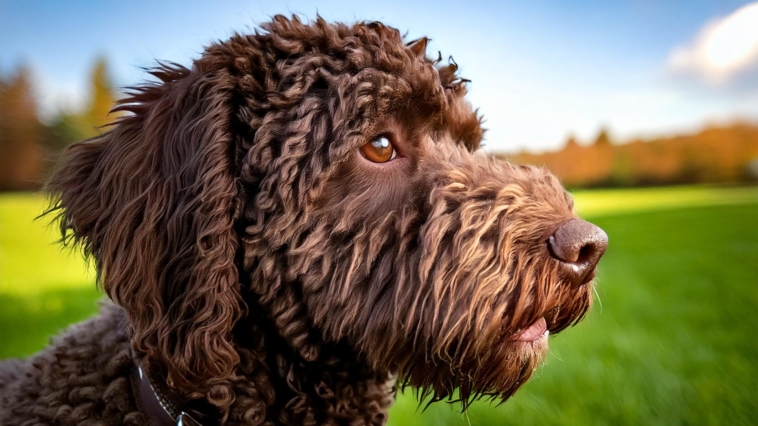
380 150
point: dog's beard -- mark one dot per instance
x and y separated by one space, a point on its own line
497 373
490 360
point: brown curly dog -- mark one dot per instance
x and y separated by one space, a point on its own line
292 228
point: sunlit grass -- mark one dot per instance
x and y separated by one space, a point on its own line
31 260
602 202
42 287
672 340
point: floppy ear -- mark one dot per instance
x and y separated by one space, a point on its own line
154 201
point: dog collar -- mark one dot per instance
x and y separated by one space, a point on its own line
156 406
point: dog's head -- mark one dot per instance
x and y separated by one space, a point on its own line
326 177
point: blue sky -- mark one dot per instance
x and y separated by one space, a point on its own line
540 70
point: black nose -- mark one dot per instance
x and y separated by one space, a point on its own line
579 245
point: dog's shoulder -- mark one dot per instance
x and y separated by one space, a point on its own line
83 375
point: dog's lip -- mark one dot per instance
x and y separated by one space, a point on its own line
533 332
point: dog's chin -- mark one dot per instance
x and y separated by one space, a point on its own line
506 370
511 362
502 369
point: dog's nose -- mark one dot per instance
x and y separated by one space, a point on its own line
579 245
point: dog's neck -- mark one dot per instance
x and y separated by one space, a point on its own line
272 380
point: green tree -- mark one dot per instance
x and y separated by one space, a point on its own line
72 126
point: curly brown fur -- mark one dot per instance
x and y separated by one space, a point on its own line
267 273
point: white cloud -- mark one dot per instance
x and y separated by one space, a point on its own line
724 48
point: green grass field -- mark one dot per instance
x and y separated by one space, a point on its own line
671 340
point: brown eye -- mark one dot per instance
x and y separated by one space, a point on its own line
380 150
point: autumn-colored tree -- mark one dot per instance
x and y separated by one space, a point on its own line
25 143
21 151
714 155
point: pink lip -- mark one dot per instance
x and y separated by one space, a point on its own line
533 332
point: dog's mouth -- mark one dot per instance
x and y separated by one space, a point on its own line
536 331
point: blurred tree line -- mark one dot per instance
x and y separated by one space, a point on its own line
725 154
29 146
728 154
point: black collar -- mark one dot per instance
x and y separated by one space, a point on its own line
158 409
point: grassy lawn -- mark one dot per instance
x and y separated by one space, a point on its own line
42 288
671 340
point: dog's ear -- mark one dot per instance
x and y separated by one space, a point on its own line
154 200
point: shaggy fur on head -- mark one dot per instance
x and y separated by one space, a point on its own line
266 272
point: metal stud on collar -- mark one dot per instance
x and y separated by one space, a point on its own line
192 421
